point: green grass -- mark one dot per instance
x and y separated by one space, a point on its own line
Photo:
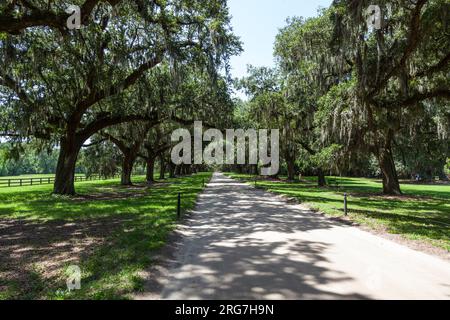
423 213
111 271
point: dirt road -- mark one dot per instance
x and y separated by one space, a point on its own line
243 243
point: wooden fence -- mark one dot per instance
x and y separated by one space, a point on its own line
20 182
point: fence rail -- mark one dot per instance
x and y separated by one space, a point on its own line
22 182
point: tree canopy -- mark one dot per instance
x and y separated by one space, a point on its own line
345 92
349 96
66 88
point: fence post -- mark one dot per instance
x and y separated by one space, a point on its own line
20 182
345 204
179 206
9 182
31 181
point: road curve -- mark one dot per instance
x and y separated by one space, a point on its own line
243 243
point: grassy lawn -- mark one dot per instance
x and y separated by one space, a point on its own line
423 213
108 230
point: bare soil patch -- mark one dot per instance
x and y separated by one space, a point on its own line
30 248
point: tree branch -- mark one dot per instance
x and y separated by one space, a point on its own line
108 121
435 68
121 145
8 82
417 97
96 96
411 45
307 147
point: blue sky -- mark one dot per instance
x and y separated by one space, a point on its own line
257 23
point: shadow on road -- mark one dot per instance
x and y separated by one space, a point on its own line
238 245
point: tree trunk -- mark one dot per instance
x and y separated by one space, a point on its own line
127 169
391 185
150 170
322 182
290 168
162 169
171 170
65 169
177 171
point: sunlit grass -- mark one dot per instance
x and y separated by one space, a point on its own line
112 271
